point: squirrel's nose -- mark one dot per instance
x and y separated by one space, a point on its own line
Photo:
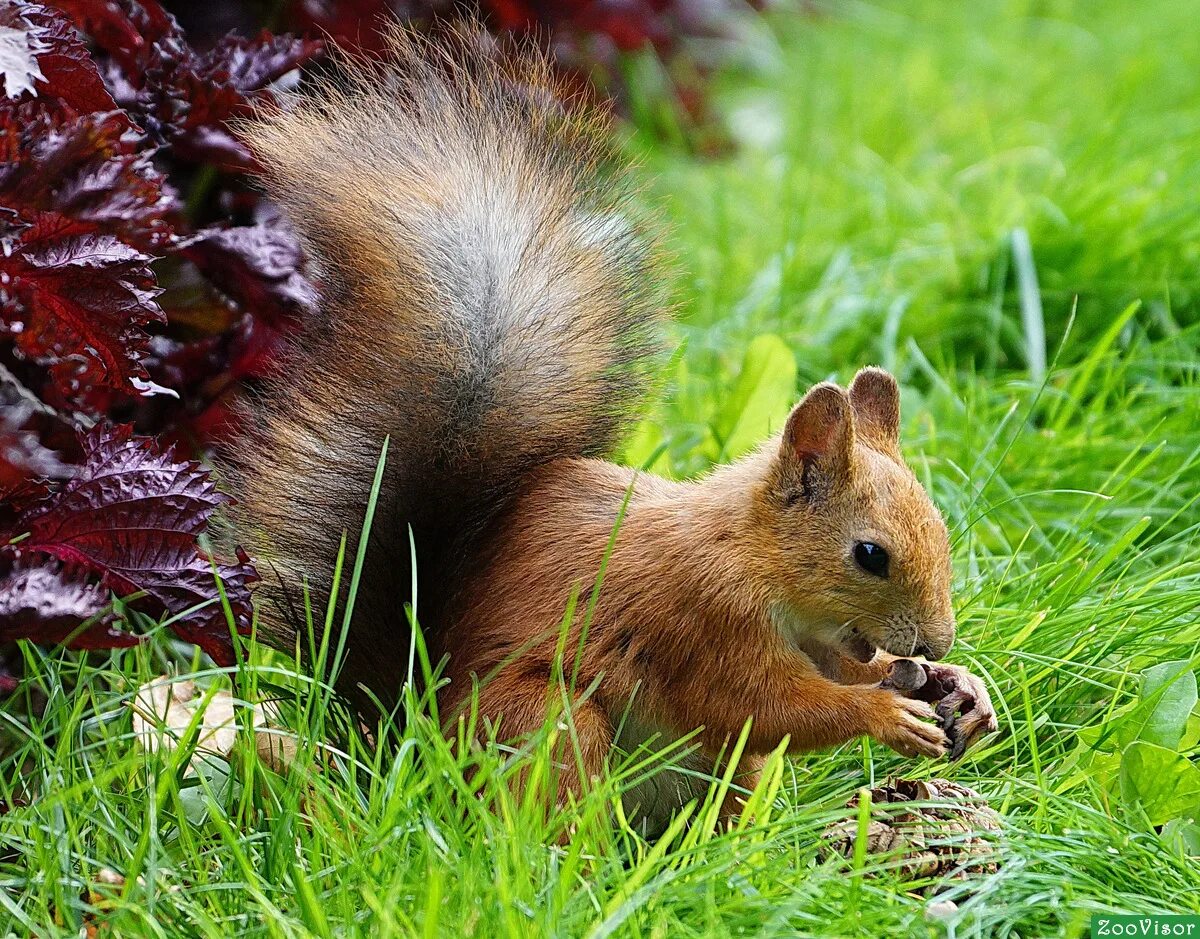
934 648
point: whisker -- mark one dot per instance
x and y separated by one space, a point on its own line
870 615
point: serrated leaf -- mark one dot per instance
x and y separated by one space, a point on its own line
51 603
123 28
88 170
85 209
132 516
77 303
250 65
19 69
259 266
22 454
186 98
41 54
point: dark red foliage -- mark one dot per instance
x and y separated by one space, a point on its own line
256 266
74 294
47 602
568 24
77 304
250 64
23 456
131 517
58 62
89 169
185 97
587 36
359 24
119 29
88 140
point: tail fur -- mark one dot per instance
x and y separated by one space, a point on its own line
485 304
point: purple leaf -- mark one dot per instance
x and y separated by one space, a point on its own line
250 65
50 603
87 169
258 266
132 515
77 303
22 455
40 51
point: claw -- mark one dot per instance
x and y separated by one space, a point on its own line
970 727
959 742
959 711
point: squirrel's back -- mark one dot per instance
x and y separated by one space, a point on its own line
485 304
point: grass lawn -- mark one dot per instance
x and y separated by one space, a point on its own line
997 201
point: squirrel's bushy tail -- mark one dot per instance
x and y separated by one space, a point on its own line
485 304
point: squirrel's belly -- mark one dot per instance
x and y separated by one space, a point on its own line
671 781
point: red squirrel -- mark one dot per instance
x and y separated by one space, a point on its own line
488 303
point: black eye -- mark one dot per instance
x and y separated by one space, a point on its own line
871 558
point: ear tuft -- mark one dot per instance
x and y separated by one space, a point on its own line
820 427
875 398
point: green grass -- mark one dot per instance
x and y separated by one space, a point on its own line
887 155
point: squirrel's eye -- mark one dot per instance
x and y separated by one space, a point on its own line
871 558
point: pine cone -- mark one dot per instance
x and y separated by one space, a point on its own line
951 838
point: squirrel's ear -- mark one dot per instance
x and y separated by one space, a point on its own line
819 437
875 398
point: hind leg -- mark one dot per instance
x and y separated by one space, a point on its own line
517 702
748 773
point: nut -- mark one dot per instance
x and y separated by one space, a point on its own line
906 675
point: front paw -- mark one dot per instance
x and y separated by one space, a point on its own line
907 725
965 708
963 705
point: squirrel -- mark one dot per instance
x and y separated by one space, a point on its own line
489 305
